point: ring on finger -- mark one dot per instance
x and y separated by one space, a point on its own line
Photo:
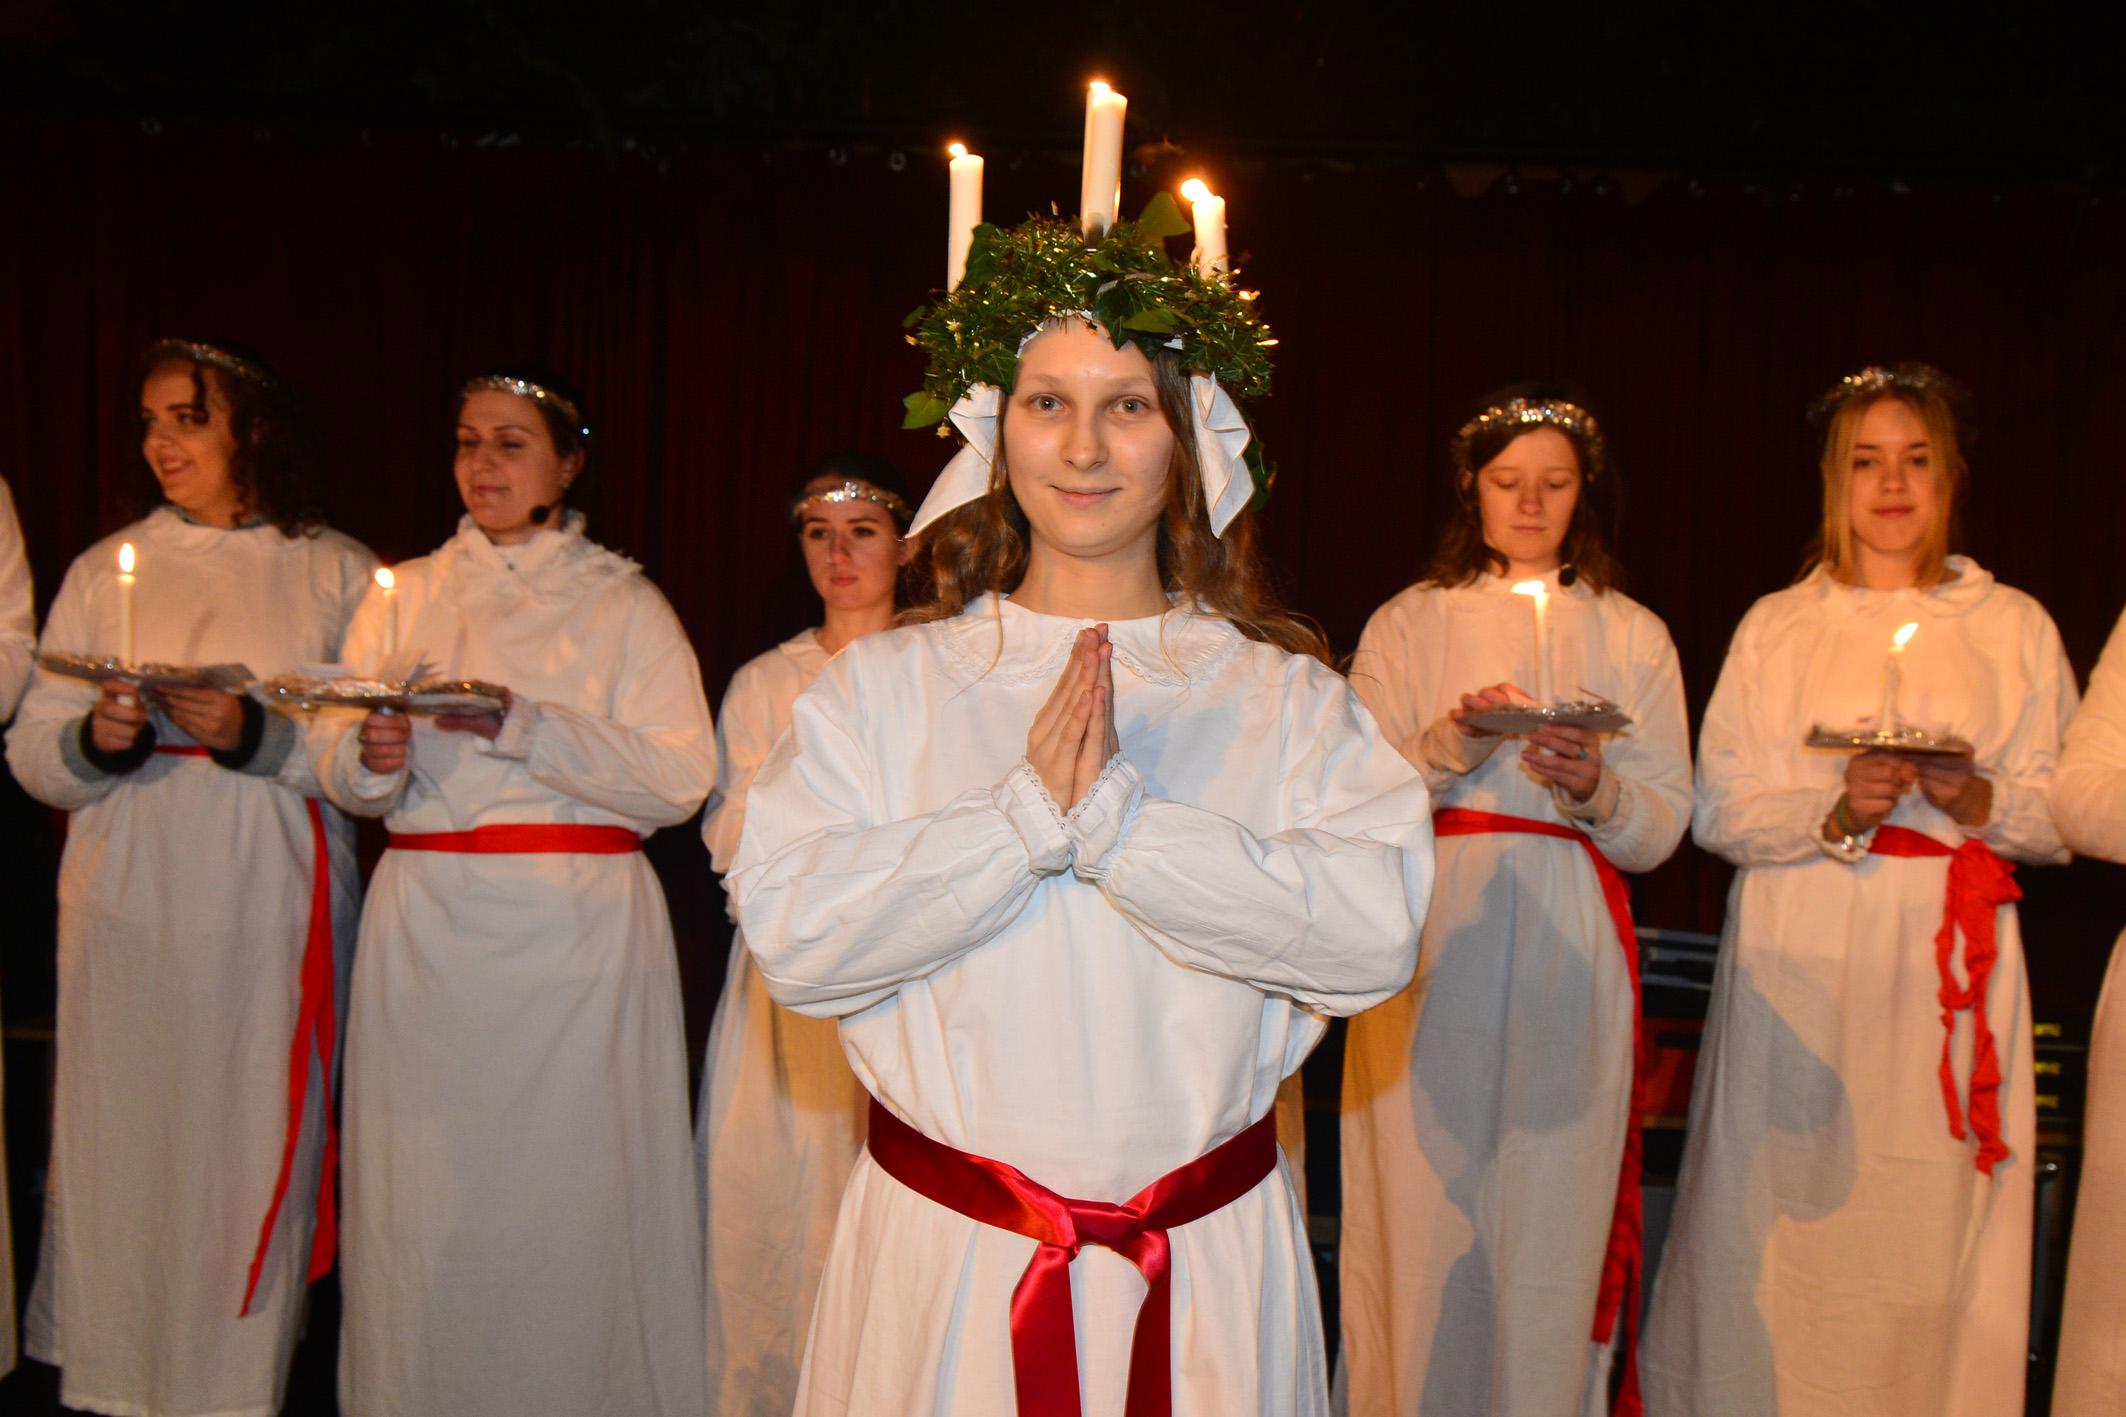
1582 755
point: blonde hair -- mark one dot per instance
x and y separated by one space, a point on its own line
983 546
1833 550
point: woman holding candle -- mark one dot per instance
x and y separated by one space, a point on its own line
1484 1105
782 1117
1852 1226
521 1229
206 906
2089 804
1079 860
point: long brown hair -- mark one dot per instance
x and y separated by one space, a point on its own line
1933 402
983 546
1463 556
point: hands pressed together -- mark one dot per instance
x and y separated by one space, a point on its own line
1073 734
1569 757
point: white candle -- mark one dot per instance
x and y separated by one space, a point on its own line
1539 593
1100 189
388 583
966 212
126 562
1209 210
1892 671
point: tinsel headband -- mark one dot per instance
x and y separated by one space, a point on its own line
851 490
1876 380
200 352
1023 279
1521 415
526 389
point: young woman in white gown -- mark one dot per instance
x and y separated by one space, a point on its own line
522 1230
1484 1265
206 911
782 1117
1852 1225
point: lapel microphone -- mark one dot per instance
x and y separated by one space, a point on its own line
1567 573
540 513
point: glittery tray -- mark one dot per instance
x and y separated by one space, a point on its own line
1904 740
1597 715
426 696
230 678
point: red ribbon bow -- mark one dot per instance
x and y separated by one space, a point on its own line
1980 882
1044 1344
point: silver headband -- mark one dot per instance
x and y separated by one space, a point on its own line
1523 414
851 490
526 389
200 352
1879 379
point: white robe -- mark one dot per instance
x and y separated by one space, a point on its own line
782 1117
184 908
1485 1106
1095 1001
1835 1250
18 640
2089 803
521 1233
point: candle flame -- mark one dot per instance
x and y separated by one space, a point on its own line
1530 588
384 579
125 559
1195 190
956 149
1100 88
1903 637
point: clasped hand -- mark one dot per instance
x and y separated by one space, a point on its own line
210 717
1875 780
1073 734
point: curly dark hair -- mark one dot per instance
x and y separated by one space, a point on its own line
278 458
1463 555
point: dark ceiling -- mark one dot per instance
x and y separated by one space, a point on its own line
1864 89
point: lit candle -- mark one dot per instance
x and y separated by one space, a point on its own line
1892 670
125 602
966 212
1539 593
1209 209
389 584
1100 189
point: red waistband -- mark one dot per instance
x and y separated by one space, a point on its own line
1980 882
524 839
1625 1258
1044 1346
183 750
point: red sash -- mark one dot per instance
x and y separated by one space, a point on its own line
314 1032
1979 884
1044 1343
525 839
1624 1259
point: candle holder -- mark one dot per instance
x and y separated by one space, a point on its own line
1905 738
1594 713
96 668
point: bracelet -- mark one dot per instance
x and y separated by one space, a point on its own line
1842 818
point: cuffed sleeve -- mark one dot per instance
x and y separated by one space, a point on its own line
1743 814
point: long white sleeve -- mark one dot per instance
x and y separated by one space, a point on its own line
2021 824
1650 765
2089 792
1383 675
840 908
40 747
18 622
746 728
1742 814
1327 910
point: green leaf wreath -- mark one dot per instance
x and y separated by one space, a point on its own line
1017 277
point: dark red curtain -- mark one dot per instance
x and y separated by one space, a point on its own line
734 312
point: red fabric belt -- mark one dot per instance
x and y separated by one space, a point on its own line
1044 1343
1979 884
183 750
314 1031
1623 1261
524 839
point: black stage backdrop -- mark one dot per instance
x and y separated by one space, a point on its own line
734 312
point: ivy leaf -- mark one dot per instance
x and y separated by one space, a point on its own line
924 409
914 317
1161 218
1157 321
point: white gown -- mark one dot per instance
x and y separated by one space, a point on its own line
1095 1002
782 1117
1835 1250
1485 1106
184 910
2089 803
521 1232
18 640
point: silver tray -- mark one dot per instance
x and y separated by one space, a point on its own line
1904 740
96 668
1598 715
424 696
